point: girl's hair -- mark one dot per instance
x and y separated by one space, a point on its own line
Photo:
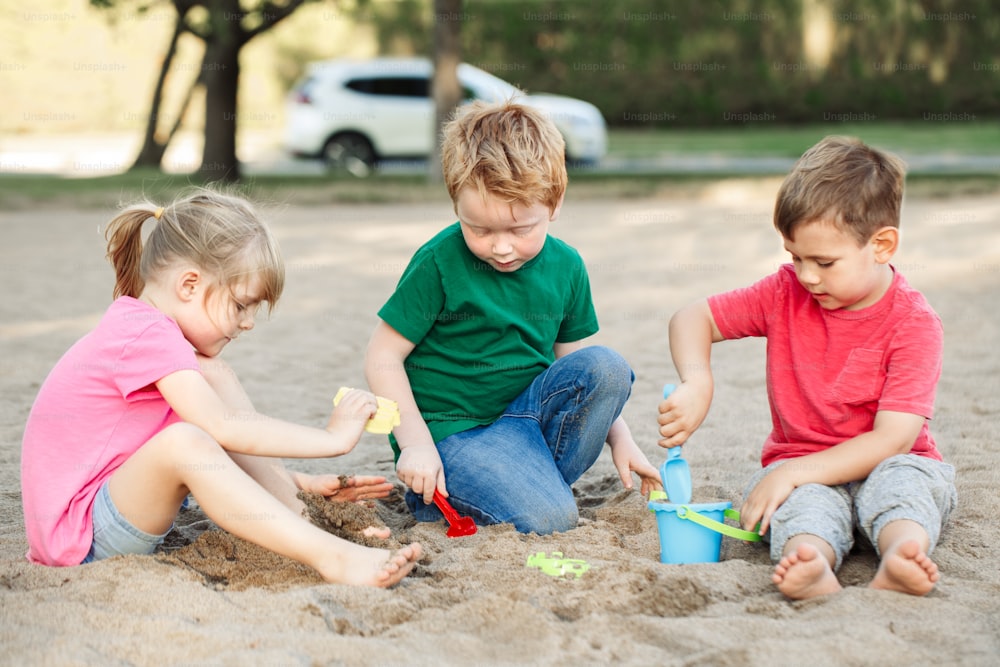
219 233
507 150
857 188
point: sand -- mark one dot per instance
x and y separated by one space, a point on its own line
208 598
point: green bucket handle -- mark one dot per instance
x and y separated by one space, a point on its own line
685 512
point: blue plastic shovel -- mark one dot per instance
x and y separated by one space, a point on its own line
674 472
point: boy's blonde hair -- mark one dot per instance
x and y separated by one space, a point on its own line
841 180
507 150
219 233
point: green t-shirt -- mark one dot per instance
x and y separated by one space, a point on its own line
480 335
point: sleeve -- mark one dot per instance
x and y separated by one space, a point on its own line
914 365
746 311
154 353
580 320
417 302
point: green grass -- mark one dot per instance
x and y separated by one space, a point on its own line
980 137
23 191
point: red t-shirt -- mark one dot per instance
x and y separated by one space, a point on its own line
830 371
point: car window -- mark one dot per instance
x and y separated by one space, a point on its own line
398 86
307 85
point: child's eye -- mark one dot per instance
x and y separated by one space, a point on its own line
824 265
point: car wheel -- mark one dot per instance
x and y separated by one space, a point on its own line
349 152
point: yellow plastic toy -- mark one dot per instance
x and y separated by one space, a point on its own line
386 416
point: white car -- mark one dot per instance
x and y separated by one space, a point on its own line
355 113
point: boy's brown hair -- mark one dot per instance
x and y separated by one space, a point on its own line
841 180
507 150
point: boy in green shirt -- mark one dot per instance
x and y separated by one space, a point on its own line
481 344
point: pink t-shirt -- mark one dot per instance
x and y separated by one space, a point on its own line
95 409
830 371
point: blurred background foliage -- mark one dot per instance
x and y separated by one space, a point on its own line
66 66
709 62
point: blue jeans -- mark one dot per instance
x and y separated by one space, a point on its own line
520 468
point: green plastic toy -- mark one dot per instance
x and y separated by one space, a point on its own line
555 565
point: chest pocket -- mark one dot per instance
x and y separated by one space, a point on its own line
861 379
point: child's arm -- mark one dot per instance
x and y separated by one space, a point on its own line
625 453
893 433
692 332
246 431
419 465
285 484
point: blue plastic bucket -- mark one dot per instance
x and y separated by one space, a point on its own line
693 533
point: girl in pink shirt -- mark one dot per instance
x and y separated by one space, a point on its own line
140 412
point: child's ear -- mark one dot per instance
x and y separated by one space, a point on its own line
885 242
555 212
188 283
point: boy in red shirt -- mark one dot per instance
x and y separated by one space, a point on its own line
853 359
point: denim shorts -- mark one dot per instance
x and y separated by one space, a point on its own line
114 535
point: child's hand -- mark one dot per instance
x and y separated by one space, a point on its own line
765 499
682 413
352 413
419 467
348 488
628 458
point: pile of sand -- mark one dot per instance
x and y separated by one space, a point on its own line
208 598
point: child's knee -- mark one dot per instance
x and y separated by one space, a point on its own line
608 360
906 487
556 519
542 511
607 367
215 371
814 509
186 440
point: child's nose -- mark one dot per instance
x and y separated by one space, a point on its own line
808 276
502 246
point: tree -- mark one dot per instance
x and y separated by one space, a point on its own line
227 29
151 153
445 88
225 26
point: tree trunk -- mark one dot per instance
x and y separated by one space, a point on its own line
221 73
152 151
445 89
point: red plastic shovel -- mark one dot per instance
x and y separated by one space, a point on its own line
458 526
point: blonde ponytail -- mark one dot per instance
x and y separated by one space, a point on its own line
124 236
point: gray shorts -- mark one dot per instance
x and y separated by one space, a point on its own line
114 535
905 486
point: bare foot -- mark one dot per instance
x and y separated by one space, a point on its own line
363 566
906 569
804 574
